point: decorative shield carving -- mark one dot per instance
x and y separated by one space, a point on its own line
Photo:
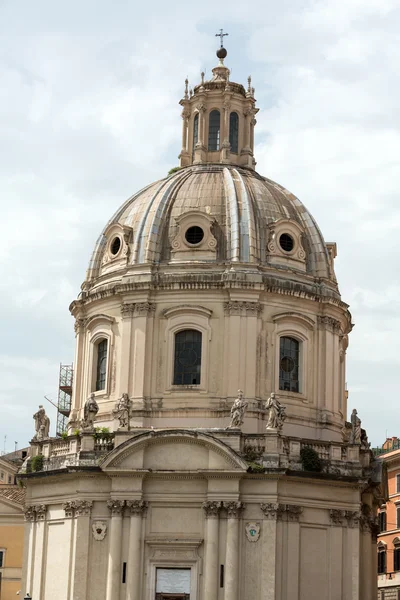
253 531
99 529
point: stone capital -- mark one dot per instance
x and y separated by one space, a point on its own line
69 508
137 309
236 308
234 509
337 517
137 507
116 506
30 513
353 518
271 510
79 325
329 323
212 508
40 510
82 508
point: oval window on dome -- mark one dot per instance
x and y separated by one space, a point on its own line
115 246
286 242
194 235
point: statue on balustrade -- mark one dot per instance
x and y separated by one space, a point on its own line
122 412
42 425
90 411
276 412
355 437
238 411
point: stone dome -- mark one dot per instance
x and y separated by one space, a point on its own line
242 217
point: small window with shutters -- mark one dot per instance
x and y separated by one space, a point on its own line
381 560
382 521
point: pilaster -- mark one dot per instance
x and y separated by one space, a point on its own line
116 508
211 510
137 509
234 510
80 510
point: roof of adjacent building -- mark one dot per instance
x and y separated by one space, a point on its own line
13 493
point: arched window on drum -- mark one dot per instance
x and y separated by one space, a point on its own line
195 130
101 367
289 364
234 132
214 130
187 357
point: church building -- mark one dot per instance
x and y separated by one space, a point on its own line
208 455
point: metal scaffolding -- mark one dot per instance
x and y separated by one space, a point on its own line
64 397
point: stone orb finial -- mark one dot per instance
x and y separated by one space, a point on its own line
222 53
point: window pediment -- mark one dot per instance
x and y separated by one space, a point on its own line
185 309
290 317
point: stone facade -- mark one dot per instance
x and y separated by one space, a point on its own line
178 485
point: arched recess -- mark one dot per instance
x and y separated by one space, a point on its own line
179 450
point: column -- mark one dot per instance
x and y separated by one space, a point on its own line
211 565
291 514
114 555
81 510
232 550
79 362
38 583
246 139
137 509
269 551
29 549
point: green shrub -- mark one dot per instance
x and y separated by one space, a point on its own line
64 435
310 459
37 463
174 170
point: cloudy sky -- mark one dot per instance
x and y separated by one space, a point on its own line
89 114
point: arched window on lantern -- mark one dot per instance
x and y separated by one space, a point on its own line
187 357
234 131
101 368
195 130
289 364
214 130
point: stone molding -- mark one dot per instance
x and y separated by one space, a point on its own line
212 508
236 308
137 507
35 512
330 324
234 509
276 511
137 309
116 506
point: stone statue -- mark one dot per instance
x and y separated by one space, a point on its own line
355 437
42 425
365 444
122 411
90 411
238 410
276 412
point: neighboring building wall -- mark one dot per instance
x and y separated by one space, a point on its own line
11 540
389 538
8 472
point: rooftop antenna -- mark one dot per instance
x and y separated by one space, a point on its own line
221 35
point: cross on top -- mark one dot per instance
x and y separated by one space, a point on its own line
221 35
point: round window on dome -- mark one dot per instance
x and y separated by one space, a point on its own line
115 246
286 242
194 235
